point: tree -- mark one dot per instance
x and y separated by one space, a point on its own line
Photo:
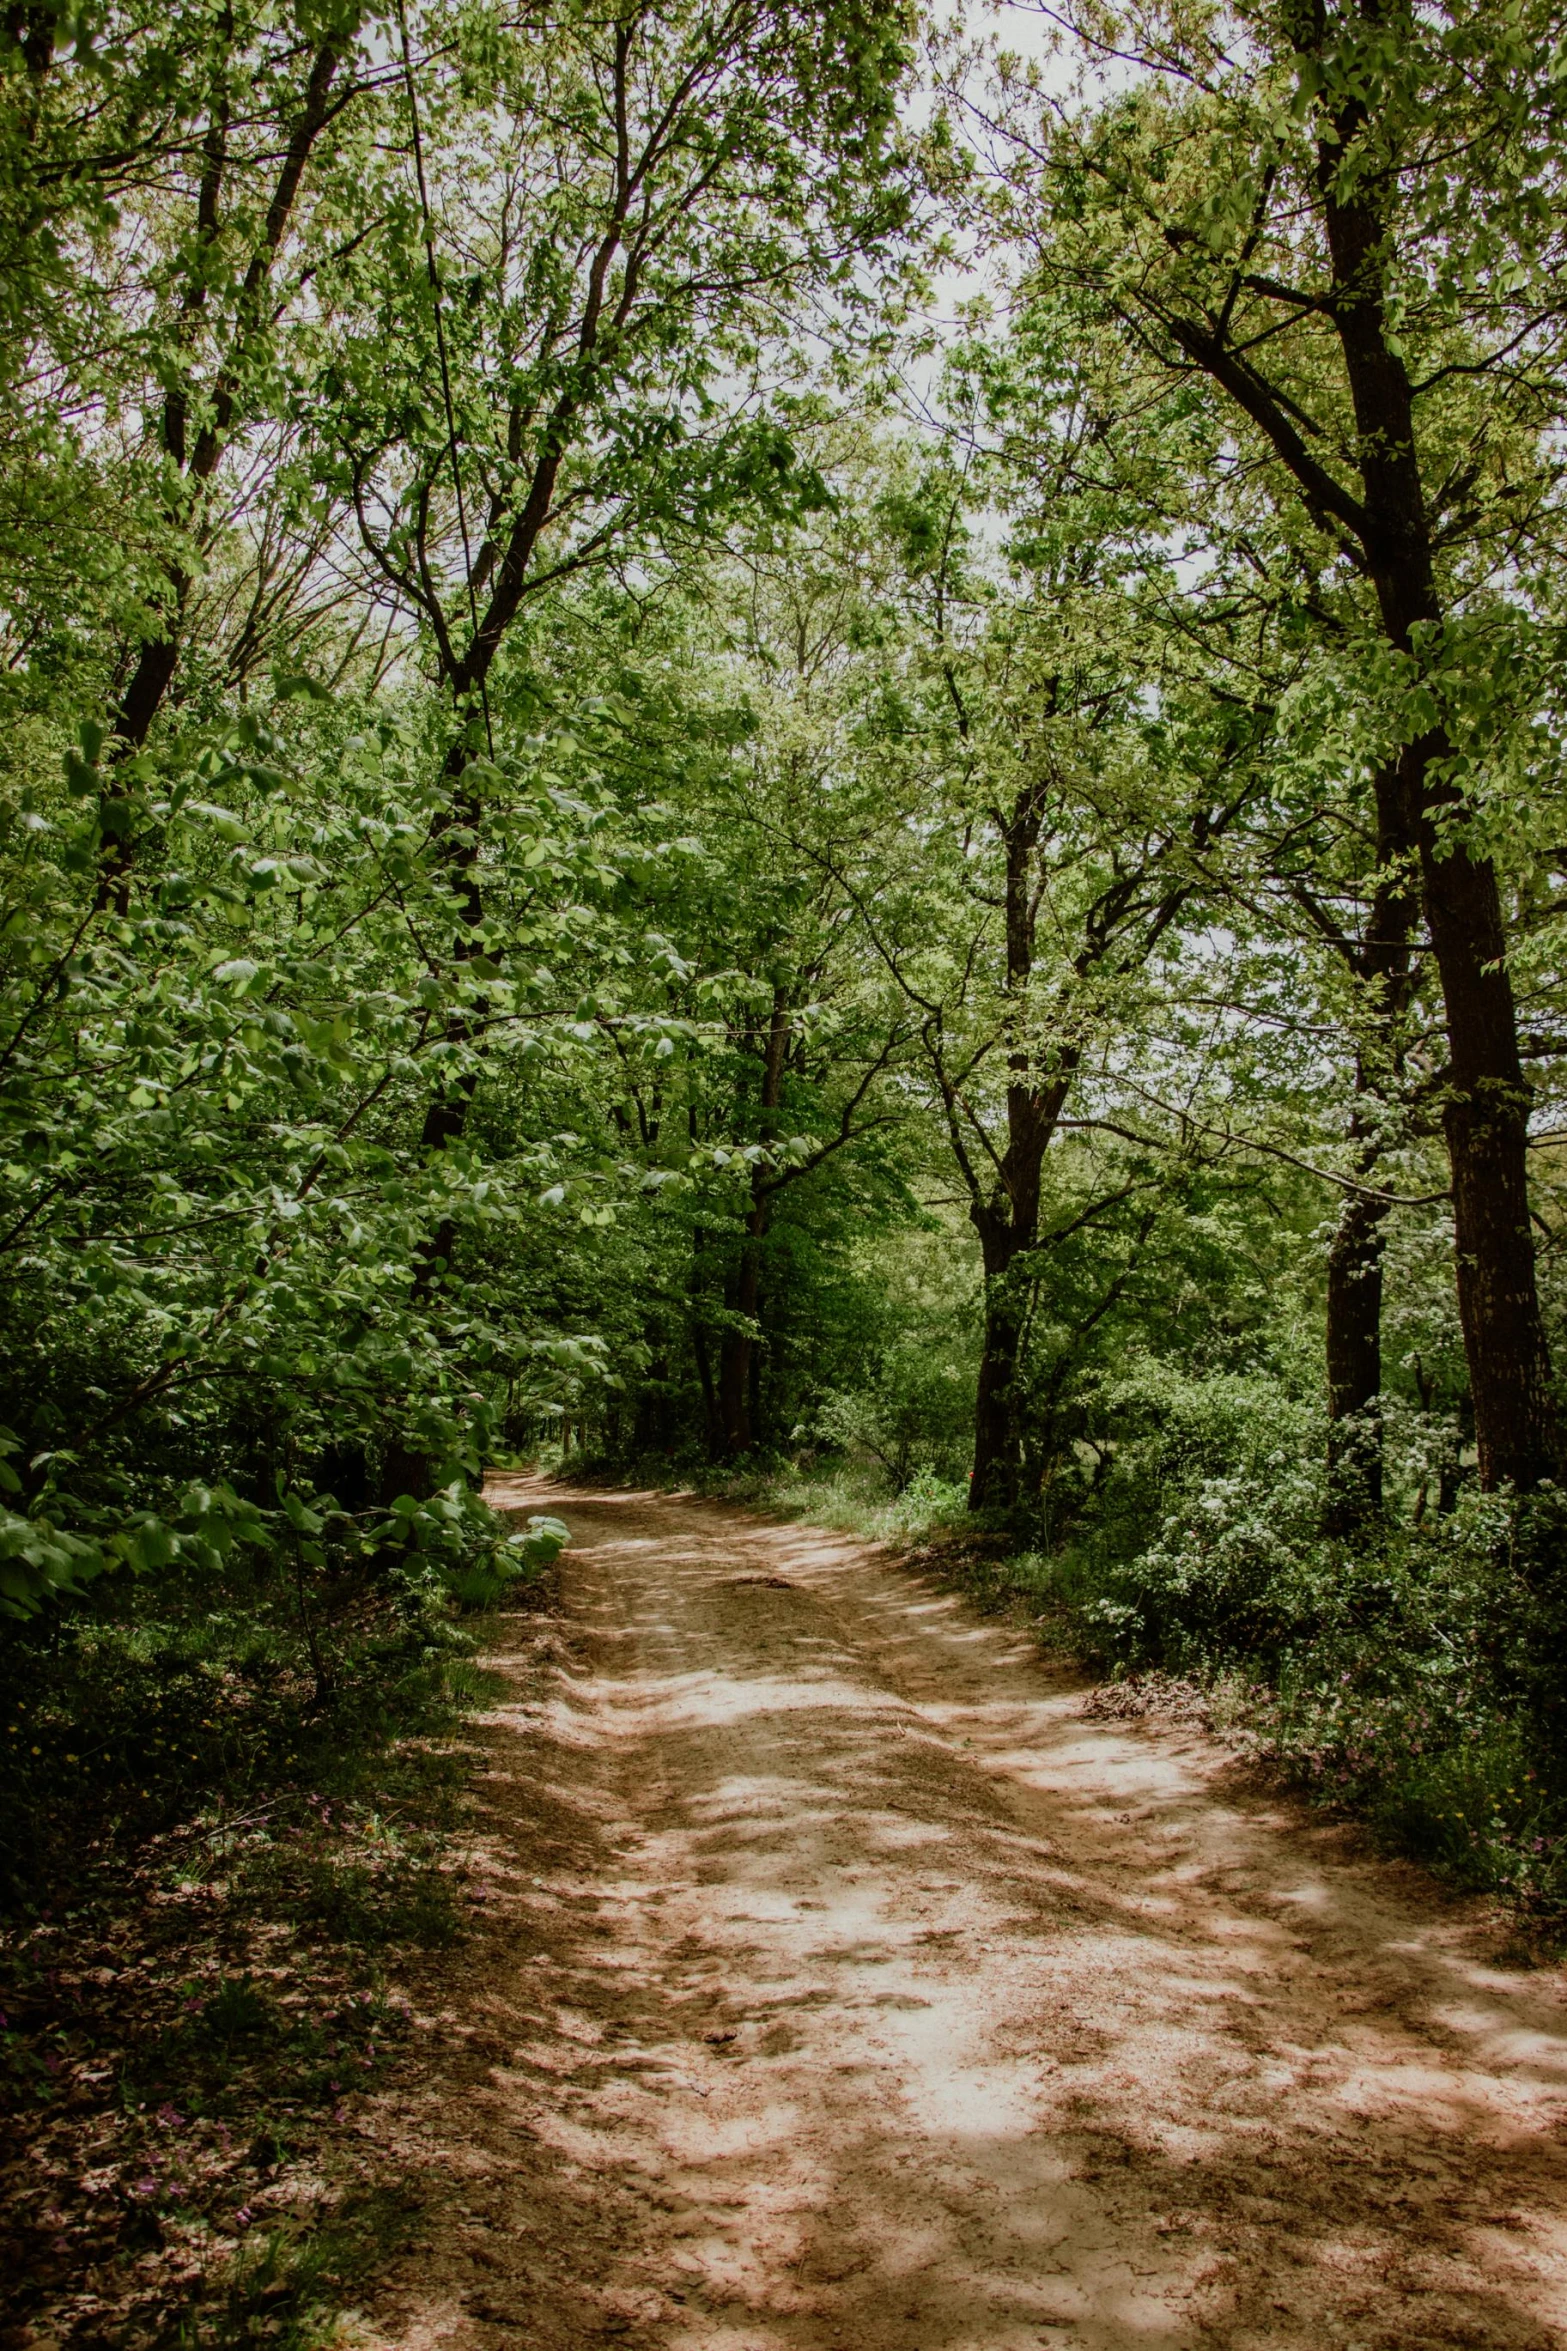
625 203
1051 827
1336 218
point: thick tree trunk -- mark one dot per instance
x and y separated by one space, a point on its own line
997 1439
33 31
710 1412
1382 966
1487 1113
1007 1220
737 1366
150 681
1120 929
1354 1353
1486 1119
404 1470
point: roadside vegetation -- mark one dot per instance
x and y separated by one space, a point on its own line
234 1844
1399 1688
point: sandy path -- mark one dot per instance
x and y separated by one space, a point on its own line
845 1987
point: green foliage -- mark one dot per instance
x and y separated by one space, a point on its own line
850 1497
288 2284
195 1698
206 1867
912 1415
283 2287
1400 1682
910 1405
523 1558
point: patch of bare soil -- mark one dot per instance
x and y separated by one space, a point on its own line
1165 1697
846 1984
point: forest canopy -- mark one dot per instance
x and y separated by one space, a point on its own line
800 743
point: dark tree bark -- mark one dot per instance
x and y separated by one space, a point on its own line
1381 962
1006 1216
157 659
1486 1114
737 1354
997 1445
1486 1122
32 32
1354 1364
1120 931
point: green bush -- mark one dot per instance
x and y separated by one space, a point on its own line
485 1580
913 1416
1399 1681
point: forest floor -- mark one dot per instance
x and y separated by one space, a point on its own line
848 1976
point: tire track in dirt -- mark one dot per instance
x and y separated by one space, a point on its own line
844 1986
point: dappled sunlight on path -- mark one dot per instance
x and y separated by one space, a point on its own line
845 1986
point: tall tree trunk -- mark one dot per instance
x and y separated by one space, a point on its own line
1007 1220
737 1353
1382 966
1354 1363
1486 1116
33 31
446 1114
1486 1123
997 1439
1486 1119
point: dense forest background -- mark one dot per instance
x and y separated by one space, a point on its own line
775 743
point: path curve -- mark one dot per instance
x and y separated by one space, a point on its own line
845 1988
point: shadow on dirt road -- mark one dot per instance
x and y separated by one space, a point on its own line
844 1985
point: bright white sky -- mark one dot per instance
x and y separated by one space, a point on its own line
1022 30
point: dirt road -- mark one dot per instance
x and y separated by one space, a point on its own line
845 1986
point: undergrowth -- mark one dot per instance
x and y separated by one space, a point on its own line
226 1837
851 1496
1395 1684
